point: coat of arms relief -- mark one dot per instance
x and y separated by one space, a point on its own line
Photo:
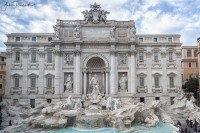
95 14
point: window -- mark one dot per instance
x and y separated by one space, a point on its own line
17 56
2 59
155 39
196 64
33 56
142 100
182 76
1 86
190 64
141 56
16 82
49 82
1 99
48 100
49 57
17 39
195 52
34 39
172 100
156 82
141 81
156 56
1 67
170 56
33 82
1 76
140 39
189 53
32 103
49 39
157 98
15 101
171 82
169 39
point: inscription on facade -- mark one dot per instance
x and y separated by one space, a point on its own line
95 32
68 33
122 33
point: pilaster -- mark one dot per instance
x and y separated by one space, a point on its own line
41 59
133 68
25 55
8 72
77 53
113 70
57 53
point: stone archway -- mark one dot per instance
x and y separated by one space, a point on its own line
95 62
95 65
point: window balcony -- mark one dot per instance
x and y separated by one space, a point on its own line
141 63
16 65
156 63
142 89
15 90
49 90
32 90
171 63
50 65
33 65
171 89
157 89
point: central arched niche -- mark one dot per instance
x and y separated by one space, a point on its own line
96 66
95 62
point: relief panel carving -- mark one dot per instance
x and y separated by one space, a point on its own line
68 59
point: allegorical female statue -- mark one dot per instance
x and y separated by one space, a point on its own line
68 83
123 82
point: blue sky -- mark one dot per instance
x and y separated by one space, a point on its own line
151 16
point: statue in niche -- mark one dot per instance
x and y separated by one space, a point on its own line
68 59
112 32
95 96
123 82
122 59
77 32
68 84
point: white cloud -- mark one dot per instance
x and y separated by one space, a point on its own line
41 17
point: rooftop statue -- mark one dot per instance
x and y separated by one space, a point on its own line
95 14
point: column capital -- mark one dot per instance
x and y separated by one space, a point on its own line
77 52
163 54
132 52
8 54
25 54
113 52
149 54
41 54
57 52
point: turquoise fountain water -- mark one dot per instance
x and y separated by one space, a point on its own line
160 128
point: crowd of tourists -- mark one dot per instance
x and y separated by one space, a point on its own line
190 127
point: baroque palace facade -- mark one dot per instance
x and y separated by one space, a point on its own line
52 66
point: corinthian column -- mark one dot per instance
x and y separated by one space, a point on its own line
57 71
77 73
112 73
133 79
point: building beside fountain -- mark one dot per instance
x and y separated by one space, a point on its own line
92 53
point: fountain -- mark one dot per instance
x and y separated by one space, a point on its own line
94 112
98 112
